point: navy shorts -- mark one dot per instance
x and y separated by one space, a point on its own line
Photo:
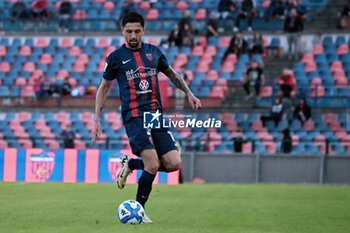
140 138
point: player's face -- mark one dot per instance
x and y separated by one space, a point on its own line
133 33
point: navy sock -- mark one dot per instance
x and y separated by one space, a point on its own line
137 164
145 187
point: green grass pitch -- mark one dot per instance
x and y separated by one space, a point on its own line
188 208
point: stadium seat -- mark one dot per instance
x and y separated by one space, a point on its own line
200 14
152 14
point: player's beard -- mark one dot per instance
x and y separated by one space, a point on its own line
133 43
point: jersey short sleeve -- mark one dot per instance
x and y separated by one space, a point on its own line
163 63
110 68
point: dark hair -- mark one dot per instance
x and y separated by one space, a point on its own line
133 17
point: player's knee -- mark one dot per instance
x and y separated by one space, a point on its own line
174 165
152 167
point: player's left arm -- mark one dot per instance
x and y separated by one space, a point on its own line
180 83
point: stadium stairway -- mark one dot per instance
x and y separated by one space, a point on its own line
328 18
274 68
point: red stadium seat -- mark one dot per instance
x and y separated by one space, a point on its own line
330 117
109 6
79 14
197 50
20 81
23 116
29 66
28 91
231 58
257 125
26 143
265 4
5 67
309 125
266 92
318 49
295 139
212 75
36 74
201 14
196 1
79 67
83 58
80 145
3 51
310 66
343 49
228 67
3 144
152 41
66 43
210 50
75 51
41 43
202 41
336 66
181 5
62 74
224 42
145 5
317 91
217 92
203 67
103 43
308 58
57 5
40 124
46 58
232 126
341 81
152 14
335 126
316 81
25 51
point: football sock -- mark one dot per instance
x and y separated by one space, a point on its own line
144 187
137 164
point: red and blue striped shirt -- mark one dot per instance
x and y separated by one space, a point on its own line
136 73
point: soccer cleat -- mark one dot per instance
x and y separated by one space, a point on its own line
146 219
124 172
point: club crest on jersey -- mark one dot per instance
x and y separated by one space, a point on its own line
114 165
149 56
42 165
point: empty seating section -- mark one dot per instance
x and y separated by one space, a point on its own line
161 14
322 75
34 129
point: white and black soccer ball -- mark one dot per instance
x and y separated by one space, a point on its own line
131 212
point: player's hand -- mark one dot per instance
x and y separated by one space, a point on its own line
96 133
194 101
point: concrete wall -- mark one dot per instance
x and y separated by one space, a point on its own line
238 168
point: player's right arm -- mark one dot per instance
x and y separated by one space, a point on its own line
101 97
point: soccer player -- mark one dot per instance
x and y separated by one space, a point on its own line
135 66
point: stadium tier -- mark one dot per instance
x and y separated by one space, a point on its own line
34 129
104 15
321 76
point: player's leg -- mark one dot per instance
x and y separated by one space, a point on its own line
139 141
166 148
171 160
151 165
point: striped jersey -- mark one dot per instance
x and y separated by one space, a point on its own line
136 73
